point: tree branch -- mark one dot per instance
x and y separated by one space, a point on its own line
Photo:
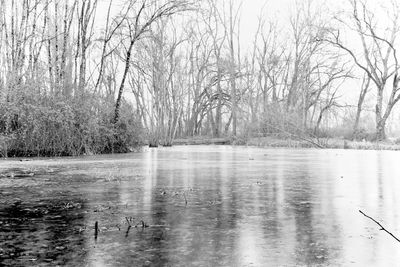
380 225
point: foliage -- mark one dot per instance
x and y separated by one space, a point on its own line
276 120
397 141
50 126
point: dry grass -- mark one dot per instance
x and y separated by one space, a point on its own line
202 141
324 142
280 141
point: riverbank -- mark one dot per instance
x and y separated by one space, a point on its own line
280 142
332 143
202 141
273 141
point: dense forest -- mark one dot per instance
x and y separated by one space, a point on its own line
87 77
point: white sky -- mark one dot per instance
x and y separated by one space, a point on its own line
276 10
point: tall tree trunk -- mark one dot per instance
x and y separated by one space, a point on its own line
363 93
380 130
233 69
380 121
49 56
83 32
218 113
121 87
56 63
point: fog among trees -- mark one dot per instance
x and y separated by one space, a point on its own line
82 77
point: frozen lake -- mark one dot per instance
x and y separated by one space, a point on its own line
204 206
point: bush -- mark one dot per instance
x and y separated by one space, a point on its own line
362 134
66 127
276 121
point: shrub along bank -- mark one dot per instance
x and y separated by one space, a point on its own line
50 126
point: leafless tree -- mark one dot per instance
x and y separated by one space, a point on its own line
379 56
365 87
137 23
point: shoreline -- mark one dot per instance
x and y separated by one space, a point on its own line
278 142
263 142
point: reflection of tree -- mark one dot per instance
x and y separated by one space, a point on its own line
311 238
271 209
224 207
159 211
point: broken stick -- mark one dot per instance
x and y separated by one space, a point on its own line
380 225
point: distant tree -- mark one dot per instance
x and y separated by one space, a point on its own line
86 21
137 23
365 87
379 59
214 23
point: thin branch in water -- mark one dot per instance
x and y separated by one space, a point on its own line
380 225
144 225
184 195
96 230
127 231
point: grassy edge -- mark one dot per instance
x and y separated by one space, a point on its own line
272 141
327 143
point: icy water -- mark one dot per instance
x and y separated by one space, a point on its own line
202 206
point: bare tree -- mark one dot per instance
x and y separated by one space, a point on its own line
214 22
379 57
365 87
233 21
67 22
109 33
138 24
85 27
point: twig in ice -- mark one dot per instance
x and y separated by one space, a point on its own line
126 218
380 225
96 230
184 195
127 230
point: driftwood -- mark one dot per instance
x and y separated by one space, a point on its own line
380 225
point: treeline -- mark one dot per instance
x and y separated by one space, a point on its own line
293 79
93 77
60 83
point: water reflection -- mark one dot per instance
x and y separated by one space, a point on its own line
213 206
